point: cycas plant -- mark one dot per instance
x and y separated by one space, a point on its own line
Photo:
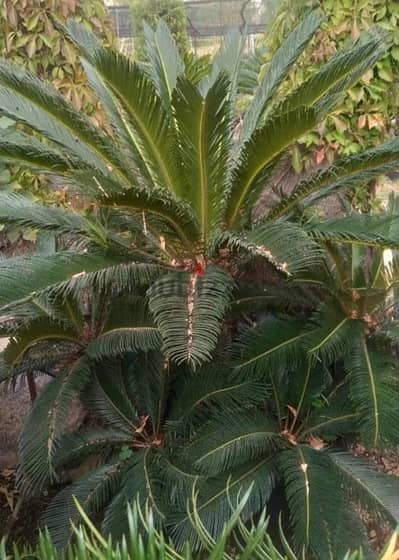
332 377
294 448
169 198
141 416
172 189
63 339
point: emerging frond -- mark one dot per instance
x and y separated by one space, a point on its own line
203 125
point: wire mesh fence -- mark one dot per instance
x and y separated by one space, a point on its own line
208 21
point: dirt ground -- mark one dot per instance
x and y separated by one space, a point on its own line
13 408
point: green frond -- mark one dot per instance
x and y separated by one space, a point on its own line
213 387
20 210
229 439
203 125
44 425
164 64
264 146
159 202
20 149
145 119
250 69
334 417
218 496
196 68
45 271
36 332
278 70
28 99
373 384
338 74
272 345
227 61
87 442
108 398
356 229
388 276
188 310
374 490
119 340
140 483
148 385
319 516
331 333
286 245
92 491
346 172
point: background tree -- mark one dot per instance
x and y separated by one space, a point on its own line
151 11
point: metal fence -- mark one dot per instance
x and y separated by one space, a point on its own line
208 21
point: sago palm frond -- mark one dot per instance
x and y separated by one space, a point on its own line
28 99
357 229
344 173
373 383
272 345
92 491
213 387
188 309
338 74
203 125
278 70
164 64
228 441
19 210
262 149
373 489
45 424
331 333
44 271
214 505
320 520
36 332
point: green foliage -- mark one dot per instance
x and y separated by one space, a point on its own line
146 15
366 114
146 542
30 38
136 299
